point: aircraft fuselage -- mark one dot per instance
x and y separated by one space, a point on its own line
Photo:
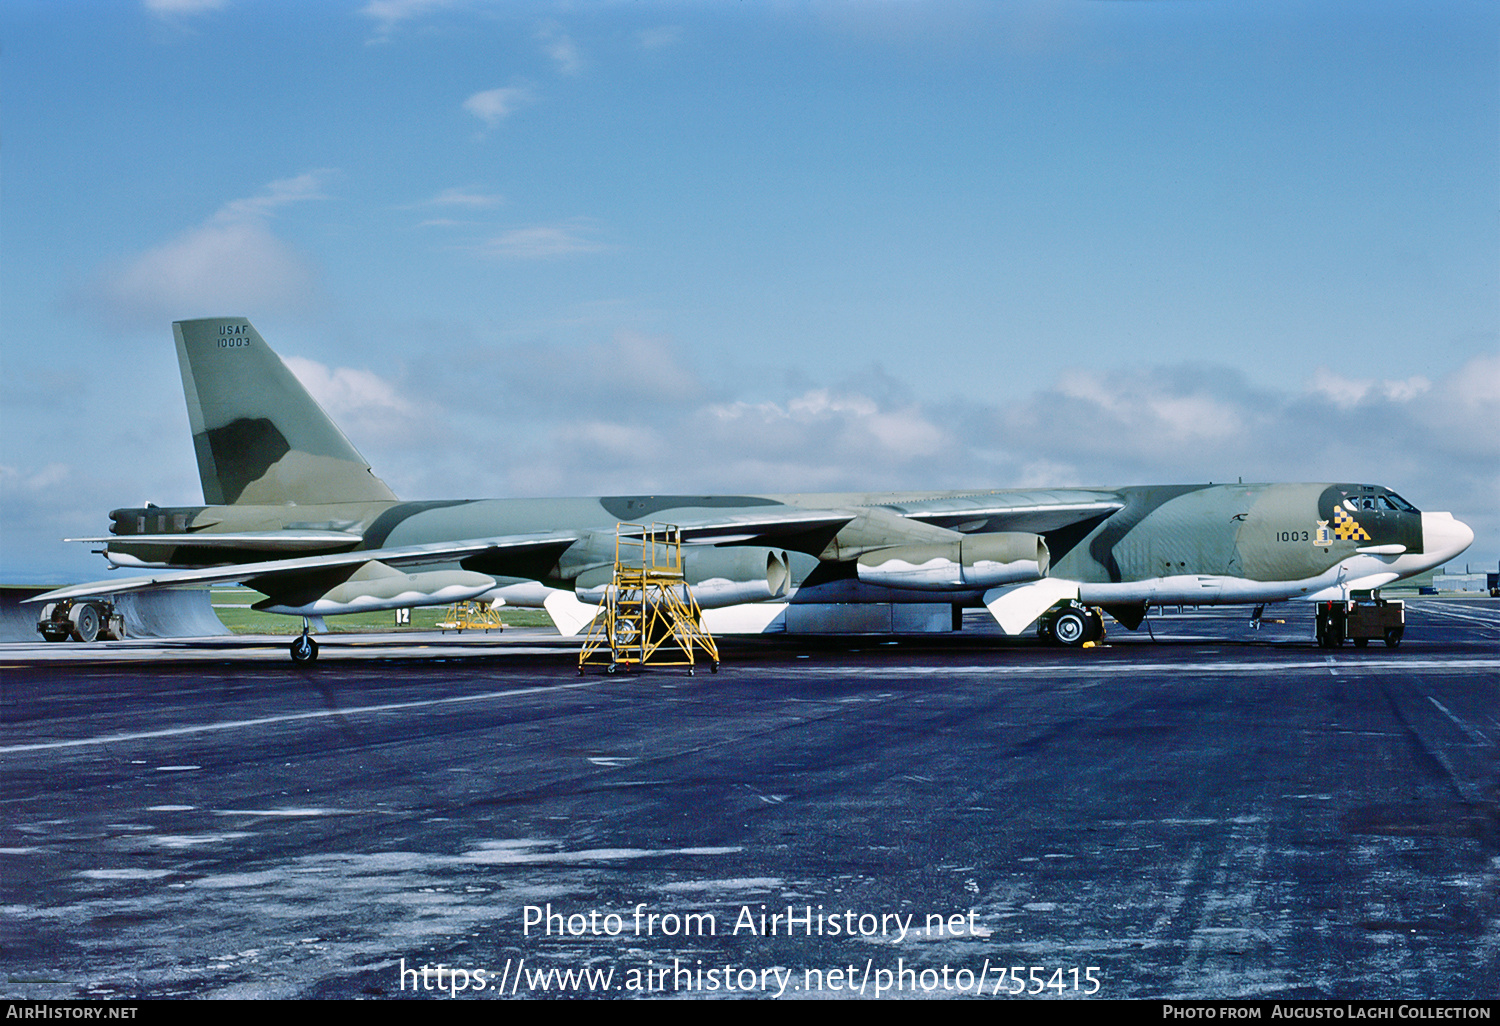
1153 544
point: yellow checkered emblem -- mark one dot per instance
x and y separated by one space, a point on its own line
1346 528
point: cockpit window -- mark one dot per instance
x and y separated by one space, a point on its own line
1377 500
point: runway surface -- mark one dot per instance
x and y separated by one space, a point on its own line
1220 813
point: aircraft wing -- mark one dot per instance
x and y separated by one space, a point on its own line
1033 512
784 526
412 555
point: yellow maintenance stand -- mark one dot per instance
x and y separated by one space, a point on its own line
471 616
650 614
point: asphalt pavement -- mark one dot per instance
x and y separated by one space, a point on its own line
1218 812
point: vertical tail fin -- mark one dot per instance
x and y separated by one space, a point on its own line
260 438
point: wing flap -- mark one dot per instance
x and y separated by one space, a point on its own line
756 529
1035 518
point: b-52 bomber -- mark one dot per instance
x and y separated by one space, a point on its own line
294 511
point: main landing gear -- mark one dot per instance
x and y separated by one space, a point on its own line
1071 624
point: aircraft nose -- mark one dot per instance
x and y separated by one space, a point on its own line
1444 537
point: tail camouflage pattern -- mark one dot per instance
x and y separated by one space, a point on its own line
260 437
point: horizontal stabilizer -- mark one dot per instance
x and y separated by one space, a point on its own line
271 541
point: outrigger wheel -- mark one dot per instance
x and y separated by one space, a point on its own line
304 649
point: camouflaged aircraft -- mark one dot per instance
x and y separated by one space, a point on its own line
294 511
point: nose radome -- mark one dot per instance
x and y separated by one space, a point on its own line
1443 537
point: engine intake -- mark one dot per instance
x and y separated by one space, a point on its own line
718 577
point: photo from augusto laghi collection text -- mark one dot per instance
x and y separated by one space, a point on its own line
638 974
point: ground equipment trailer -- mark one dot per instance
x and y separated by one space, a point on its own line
81 620
1359 620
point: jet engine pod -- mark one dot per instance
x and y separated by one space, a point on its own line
718 577
973 561
729 576
376 586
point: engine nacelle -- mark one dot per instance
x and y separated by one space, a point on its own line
973 561
718 577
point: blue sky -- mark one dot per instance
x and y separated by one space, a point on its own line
575 248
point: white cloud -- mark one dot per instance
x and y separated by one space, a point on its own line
559 46
33 481
1477 388
182 8
361 402
635 443
495 105
462 197
847 422
387 14
232 263
213 270
542 241
633 372
280 193
1148 405
347 390
659 38
1346 393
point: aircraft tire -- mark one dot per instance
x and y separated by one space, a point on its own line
304 651
85 618
1071 628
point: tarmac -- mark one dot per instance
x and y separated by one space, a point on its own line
1220 812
